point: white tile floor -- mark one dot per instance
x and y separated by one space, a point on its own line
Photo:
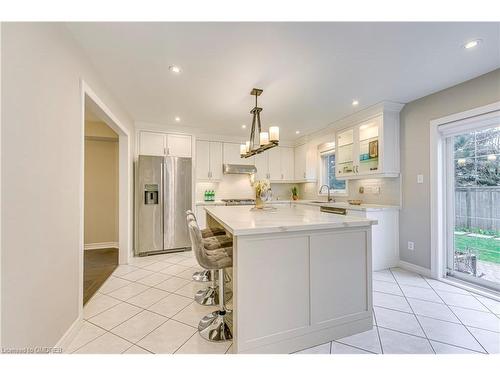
148 307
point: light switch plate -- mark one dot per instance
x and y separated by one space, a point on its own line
420 178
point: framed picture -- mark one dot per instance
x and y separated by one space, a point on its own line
373 149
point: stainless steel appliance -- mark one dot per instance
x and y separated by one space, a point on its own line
163 193
238 169
239 202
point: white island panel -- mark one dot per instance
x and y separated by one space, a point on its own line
271 287
340 263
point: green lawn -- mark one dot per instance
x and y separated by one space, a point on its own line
487 249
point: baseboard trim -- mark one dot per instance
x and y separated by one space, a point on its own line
414 268
70 334
100 245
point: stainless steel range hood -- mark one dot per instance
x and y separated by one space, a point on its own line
239 169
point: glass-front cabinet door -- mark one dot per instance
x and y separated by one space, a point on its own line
346 152
369 142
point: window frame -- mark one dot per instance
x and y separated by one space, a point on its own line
324 152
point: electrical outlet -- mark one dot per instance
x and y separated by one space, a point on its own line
420 178
411 245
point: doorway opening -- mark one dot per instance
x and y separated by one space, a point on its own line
101 203
105 194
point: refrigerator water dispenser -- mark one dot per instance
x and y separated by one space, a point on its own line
151 194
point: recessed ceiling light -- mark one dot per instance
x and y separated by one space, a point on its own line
297 131
355 102
177 119
174 69
472 44
243 126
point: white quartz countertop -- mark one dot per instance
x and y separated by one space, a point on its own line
242 220
361 207
210 203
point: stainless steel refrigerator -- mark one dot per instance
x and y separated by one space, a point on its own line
163 193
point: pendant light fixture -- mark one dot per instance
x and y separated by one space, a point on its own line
260 141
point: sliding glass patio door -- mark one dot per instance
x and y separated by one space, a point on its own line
472 166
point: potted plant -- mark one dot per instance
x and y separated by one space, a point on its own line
295 193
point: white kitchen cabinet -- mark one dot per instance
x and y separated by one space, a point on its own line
208 160
262 165
164 144
385 237
152 143
287 164
369 148
232 155
178 145
275 165
305 164
274 157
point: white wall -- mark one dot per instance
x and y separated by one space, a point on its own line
41 165
414 224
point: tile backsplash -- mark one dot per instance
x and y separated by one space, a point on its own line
376 191
239 186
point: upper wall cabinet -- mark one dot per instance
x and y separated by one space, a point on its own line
232 155
370 147
208 161
164 144
305 157
276 165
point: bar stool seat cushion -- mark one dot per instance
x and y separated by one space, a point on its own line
212 232
221 257
217 242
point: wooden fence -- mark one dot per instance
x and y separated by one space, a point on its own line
478 207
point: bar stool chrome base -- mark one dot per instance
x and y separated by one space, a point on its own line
202 276
217 326
210 296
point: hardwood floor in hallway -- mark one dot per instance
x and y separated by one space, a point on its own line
99 264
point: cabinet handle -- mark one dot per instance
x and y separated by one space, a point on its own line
304 174
282 176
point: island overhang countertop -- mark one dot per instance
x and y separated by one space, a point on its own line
243 220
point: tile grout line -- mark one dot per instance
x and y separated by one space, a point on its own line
123 338
434 340
491 311
378 332
460 320
349 345
411 308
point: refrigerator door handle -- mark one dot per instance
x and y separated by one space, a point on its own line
162 203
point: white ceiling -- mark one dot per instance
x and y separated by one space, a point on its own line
310 72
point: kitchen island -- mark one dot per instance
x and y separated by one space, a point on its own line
301 277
